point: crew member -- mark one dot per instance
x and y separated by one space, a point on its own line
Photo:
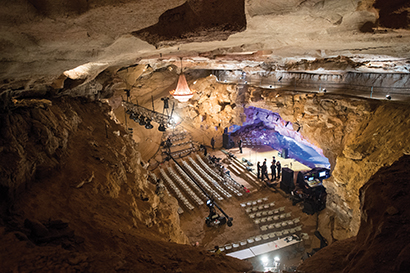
258 166
273 170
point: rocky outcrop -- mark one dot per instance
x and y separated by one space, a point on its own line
74 194
382 243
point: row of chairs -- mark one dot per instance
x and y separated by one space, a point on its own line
280 225
272 218
181 143
263 209
178 193
260 239
255 213
254 203
209 178
178 136
206 166
201 181
183 152
185 187
228 181
189 180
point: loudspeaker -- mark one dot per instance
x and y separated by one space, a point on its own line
287 184
285 153
226 141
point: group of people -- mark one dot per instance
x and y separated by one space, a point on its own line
275 168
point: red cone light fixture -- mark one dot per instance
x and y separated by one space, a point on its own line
182 93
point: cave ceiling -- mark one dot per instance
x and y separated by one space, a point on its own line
41 39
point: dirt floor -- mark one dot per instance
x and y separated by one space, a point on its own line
193 222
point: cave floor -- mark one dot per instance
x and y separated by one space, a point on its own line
193 224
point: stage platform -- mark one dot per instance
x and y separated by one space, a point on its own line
254 155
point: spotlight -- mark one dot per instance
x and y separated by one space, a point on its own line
137 118
388 97
142 120
161 128
148 125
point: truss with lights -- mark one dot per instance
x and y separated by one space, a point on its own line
144 116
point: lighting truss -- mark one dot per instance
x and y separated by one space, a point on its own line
154 116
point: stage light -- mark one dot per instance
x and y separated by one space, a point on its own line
265 259
148 125
142 120
175 119
161 128
137 118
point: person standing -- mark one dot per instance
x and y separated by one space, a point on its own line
273 170
213 143
278 168
264 171
258 166
240 145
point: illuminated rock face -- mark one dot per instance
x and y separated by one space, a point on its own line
270 129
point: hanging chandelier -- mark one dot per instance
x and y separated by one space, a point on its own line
182 93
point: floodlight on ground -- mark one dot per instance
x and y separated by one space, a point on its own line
265 259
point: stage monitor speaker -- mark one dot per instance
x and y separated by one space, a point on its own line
226 141
287 183
285 153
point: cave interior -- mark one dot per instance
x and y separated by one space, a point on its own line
324 81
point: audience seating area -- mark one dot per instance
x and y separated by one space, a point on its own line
261 211
178 193
209 178
201 181
191 183
184 186
227 181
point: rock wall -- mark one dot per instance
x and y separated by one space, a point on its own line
42 141
382 243
75 197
